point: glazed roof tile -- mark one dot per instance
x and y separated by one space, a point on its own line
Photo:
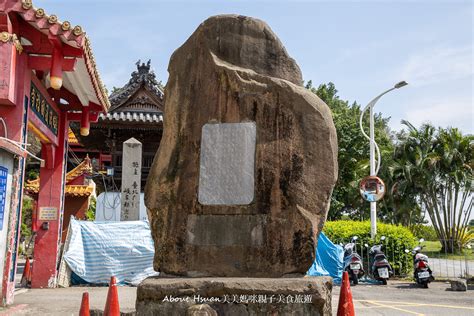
75 190
131 117
73 36
72 139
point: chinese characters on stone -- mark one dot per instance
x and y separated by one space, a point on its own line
131 180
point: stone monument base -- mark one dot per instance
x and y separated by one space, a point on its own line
234 296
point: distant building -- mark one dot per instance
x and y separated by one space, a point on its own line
136 111
78 192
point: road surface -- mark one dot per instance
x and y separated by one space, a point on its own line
397 298
406 298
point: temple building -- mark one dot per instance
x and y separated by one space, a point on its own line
136 111
48 79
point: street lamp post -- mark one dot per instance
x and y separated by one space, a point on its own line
373 148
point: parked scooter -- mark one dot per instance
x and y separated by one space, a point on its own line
352 262
379 266
422 271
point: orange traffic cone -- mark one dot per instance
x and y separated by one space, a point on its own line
26 277
345 307
30 273
85 311
112 307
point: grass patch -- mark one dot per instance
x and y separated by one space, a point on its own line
431 246
433 249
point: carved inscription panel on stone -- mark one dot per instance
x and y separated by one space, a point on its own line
227 164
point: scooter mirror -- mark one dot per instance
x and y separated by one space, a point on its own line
407 251
422 239
366 246
355 237
382 238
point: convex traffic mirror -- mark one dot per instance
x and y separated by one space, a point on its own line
372 188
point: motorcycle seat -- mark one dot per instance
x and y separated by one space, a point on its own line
424 258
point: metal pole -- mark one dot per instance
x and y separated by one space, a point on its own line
374 169
373 205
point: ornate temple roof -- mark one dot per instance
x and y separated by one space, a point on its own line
143 93
138 105
72 139
84 81
72 189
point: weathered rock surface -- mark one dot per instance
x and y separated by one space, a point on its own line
458 285
99 312
233 69
201 310
235 296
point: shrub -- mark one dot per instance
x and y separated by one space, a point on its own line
424 231
398 238
466 237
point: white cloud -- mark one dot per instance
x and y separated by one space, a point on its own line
445 113
438 65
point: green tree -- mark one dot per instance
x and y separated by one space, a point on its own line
26 216
90 213
434 167
353 156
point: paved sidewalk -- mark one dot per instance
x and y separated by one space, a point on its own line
66 301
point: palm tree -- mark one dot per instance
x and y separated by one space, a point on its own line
434 167
455 185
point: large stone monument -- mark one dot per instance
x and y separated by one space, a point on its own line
241 183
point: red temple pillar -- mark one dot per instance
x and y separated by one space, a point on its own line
50 209
13 109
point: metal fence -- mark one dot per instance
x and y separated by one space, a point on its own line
443 264
459 265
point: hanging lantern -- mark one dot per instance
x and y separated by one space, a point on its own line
372 188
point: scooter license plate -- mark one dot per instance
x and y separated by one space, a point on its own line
423 275
355 266
383 273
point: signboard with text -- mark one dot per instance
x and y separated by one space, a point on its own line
48 213
3 191
44 110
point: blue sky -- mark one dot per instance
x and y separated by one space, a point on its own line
364 47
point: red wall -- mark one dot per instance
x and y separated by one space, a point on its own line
76 206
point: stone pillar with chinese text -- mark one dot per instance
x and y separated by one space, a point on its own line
131 179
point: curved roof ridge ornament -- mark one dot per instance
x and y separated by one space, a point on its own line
142 76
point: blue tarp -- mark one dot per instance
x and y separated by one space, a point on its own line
329 259
99 250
